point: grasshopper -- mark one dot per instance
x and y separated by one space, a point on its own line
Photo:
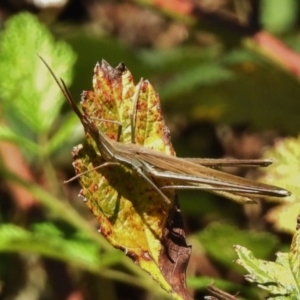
183 173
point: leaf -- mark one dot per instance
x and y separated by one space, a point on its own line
203 281
284 172
48 240
8 135
294 258
132 216
283 216
280 18
66 133
187 81
281 278
218 236
30 99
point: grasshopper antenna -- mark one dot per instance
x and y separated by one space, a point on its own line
65 91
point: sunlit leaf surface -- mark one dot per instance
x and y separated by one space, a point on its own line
280 278
285 172
132 215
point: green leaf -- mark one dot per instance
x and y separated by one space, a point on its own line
285 169
114 194
294 258
218 236
28 94
48 240
55 206
280 278
203 281
240 56
279 16
188 80
69 132
284 172
48 229
178 58
6 134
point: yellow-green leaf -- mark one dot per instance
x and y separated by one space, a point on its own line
132 215
284 172
280 278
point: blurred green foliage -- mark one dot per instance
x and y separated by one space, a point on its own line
279 278
279 17
30 100
31 110
216 83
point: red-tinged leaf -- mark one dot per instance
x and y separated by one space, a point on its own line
132 215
